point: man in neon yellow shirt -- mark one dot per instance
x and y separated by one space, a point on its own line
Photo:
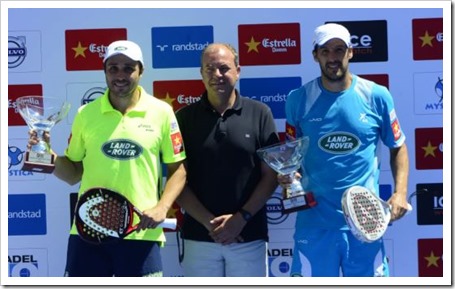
117 142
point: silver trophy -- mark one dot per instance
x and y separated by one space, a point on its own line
41 114
285 159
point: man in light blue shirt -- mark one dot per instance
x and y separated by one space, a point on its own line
345 117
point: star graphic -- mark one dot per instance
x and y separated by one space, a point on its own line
168 99
432 260
172 213
429 149
80 50
177 140
395 127
252 45
427 39
290 131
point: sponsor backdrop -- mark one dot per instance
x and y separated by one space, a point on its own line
398 48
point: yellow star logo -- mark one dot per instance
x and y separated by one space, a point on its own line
432 260
80 50
252 45
290 131
395 127
168 99
172 213
427 39
177 140
429 149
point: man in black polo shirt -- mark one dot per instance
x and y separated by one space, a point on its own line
225 222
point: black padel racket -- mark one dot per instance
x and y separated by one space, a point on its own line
103 215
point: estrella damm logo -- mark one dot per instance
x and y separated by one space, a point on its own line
85 48
122 149
427 38
339 143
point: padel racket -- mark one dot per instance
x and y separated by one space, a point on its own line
366 214
103 215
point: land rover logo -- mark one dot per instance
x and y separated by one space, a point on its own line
339 143
121 149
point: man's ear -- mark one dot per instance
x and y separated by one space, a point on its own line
314 55
350 53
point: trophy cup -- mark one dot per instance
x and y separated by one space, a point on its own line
41 114
285 159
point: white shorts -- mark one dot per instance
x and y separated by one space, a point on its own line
207 259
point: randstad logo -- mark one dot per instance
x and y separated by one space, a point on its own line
27 214
174 47
271 91
122 149
339 143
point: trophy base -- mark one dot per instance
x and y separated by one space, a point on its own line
38 162
298 203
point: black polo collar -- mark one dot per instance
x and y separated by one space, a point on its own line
237 107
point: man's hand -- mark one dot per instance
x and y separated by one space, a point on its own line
227 229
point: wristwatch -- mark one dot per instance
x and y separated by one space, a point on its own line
245 214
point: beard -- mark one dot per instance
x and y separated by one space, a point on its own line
337 76
122 89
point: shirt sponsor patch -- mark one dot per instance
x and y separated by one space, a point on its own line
177 142
122 149
396 129
290 131
174 126
339 143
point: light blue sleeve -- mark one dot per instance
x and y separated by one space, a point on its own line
293 102
391 133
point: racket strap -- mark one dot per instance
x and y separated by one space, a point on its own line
180 243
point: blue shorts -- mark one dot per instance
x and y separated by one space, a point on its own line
333 253
126 258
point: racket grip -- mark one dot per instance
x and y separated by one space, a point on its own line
168 223
409 209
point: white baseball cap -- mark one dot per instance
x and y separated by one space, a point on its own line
329 31
125 47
